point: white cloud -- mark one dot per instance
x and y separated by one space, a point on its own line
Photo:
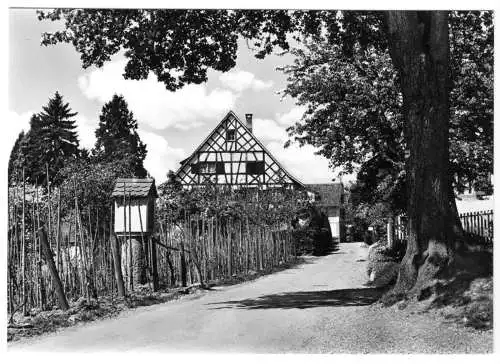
17 123
161 156
86 131
240 80
151 103
291 117
302 162
14 125
267 129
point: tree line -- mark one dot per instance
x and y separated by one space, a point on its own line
49 152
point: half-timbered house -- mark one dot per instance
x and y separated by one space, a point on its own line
231 155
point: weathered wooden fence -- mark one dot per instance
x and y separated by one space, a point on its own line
194 249
201 249
479 223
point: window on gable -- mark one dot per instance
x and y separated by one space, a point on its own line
255 167
231 135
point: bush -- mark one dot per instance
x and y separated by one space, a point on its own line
383 262
311 233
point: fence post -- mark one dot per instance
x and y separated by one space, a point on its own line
63 302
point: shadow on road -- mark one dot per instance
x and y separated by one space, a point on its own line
307 299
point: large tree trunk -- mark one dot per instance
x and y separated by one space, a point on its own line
419 47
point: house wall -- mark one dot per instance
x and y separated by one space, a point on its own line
335 220
335 226
136 206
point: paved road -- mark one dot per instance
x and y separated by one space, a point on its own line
321 306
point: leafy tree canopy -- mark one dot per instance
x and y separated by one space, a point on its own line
354 108
179 46
91 184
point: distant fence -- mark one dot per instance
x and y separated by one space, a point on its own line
479 223
399 228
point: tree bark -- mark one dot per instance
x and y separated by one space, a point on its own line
419 47
63 303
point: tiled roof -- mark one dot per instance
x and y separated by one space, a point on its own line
330 194
136 187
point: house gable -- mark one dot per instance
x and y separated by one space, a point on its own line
232 155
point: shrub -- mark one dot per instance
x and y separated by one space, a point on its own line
312 234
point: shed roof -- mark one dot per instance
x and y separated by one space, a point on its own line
136 187
330 194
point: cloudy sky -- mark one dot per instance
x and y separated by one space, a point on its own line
172 124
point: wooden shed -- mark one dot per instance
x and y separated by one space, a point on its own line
134 198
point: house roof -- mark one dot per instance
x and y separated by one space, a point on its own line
135 187
231 113
330 194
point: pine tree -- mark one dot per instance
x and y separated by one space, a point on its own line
50 142
117 138
14 167
27 153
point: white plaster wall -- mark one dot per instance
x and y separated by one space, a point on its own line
135 223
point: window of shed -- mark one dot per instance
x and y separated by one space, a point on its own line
231 135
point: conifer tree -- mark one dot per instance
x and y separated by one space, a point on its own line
50 142
14 159
117 138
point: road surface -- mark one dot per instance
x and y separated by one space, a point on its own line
317 307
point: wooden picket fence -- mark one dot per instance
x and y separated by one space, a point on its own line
479 223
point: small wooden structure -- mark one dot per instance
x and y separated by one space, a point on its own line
134 200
